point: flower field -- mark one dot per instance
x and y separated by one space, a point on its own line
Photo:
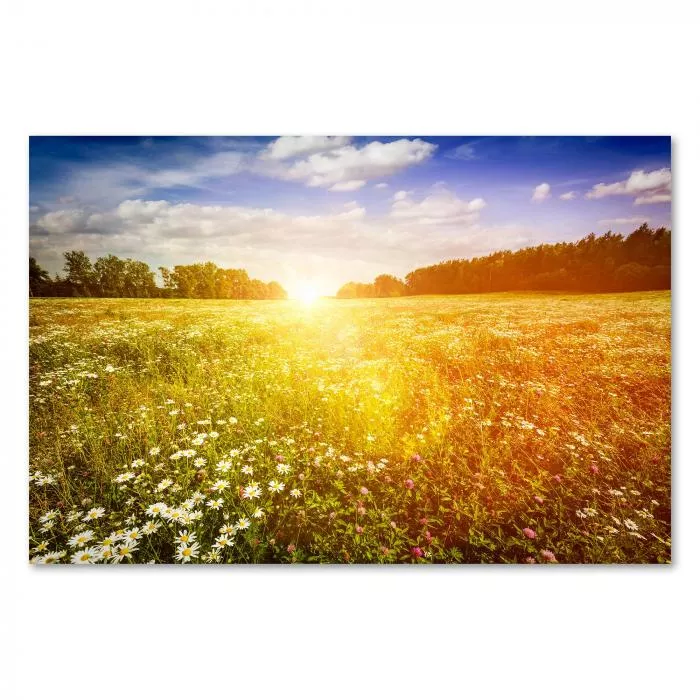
503 428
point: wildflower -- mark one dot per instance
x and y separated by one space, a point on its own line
295 493
154 451
291 548
530 560
52 557
416 552
283 469
258 513
150 527
252 490
81 538
220 485
409 484
364 490
155 509
215 504
187 552
359 529
124 550
109 368
416 458
630 524
242 523
133 535
83 556
539 500
222 541
275 486
529 533
548 556
185 537
94 514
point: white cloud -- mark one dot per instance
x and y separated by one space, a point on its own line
541 192
463 152
290 146
621 221
568 196
348 186
647 187
439 207
381 185
271 244
349 163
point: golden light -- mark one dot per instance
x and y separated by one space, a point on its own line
307 292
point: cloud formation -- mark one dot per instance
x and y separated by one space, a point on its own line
651 187
352 164
291 146
541 192
568 196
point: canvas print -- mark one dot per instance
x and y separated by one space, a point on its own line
349 350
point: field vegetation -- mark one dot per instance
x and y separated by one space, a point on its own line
493 428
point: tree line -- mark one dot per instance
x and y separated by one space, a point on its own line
111 276
608 263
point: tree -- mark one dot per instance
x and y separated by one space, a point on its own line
79 272
389 286
110 276
39 279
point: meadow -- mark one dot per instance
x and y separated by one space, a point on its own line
501 428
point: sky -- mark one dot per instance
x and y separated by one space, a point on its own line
331 209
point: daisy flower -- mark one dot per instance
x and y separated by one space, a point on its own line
252 491
81 538
124 550
187 552
242 523
215 504
275 486
94 514
84 556
295 493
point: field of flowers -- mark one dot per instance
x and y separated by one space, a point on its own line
501 428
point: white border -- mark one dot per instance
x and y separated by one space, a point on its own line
318 67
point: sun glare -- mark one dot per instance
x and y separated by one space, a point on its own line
307 292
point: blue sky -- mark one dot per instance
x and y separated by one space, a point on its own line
332 209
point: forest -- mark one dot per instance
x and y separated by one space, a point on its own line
111 276
608 263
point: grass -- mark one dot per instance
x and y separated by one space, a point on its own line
486 428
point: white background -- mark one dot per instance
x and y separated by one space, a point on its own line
404 67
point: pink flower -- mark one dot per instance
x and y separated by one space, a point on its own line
529 533
361 510
416 458
557 478
548 556
594 468
529 560
409 484
364 491
359 530
416 552
539 499
384 551
279 458
423 521
291 548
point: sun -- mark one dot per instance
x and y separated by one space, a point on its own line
306 292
